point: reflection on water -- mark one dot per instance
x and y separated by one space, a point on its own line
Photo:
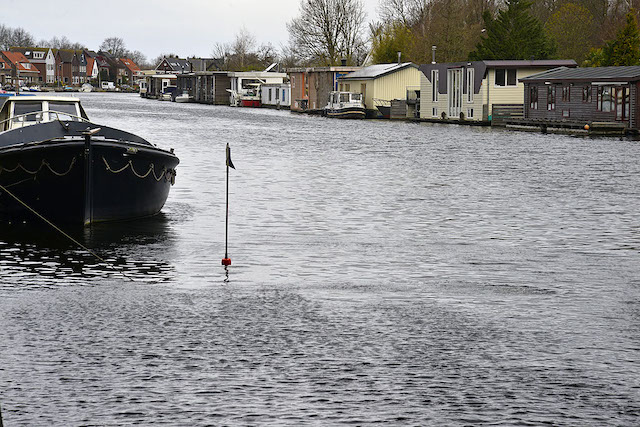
383 272
36 254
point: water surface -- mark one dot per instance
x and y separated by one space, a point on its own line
383 272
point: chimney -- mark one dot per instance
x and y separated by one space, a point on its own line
343 62
433 54
399 55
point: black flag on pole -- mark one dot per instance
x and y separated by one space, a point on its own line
229 163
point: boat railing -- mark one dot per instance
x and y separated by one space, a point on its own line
40 117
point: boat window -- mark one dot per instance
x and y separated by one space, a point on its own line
356 96
65 110
344 97
21 108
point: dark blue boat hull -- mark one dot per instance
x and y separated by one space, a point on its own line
119 180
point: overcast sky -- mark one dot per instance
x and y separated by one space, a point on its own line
184 27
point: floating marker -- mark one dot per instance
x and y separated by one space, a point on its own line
226 260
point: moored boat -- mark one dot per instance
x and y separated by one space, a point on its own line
69 169
345 105
184 97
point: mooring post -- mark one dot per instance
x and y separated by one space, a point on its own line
88 175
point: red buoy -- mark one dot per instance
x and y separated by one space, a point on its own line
226 261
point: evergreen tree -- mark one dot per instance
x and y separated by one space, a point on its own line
513 34
625 48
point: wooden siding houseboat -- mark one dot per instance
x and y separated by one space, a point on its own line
310 87
603 98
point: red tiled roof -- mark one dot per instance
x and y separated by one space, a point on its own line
130 64
21 60
90 62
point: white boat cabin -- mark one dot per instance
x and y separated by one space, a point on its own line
338 100
20 111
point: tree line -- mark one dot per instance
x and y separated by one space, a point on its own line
505 29
328 32
10 37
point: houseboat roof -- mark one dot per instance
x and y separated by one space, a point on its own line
534 63
587 74
333 68
378 70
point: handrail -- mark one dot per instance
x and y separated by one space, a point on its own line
41 119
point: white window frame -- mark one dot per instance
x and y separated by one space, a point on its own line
506 77
470 84
435 80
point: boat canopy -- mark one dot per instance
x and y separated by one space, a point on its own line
20 111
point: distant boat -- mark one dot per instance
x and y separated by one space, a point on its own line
69 169
345 105
184 97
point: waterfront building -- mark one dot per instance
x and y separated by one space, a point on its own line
79 68
583 96
92 68
478 90
310 87
41 58
20 67
206 87
5 72
170 65
381 84
131 70
247 83
64 66
276 95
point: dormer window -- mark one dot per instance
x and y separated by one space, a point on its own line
38 55
26 65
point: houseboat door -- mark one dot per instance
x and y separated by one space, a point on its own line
454 89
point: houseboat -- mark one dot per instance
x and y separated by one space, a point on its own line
66 168
345 105
595 99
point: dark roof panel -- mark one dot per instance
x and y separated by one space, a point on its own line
630 73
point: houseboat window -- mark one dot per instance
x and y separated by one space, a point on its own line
586 94
277 93
505 77
69 110
566 94
551 98
434 112
621 98
605 101
344 97
533 97
434 88
469 85
347 87
356 97
21 108
470 113
565 113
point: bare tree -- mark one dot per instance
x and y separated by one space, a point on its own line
61 43
138 57
10 37
327 31
114 45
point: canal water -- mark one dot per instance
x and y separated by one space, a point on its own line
383 272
